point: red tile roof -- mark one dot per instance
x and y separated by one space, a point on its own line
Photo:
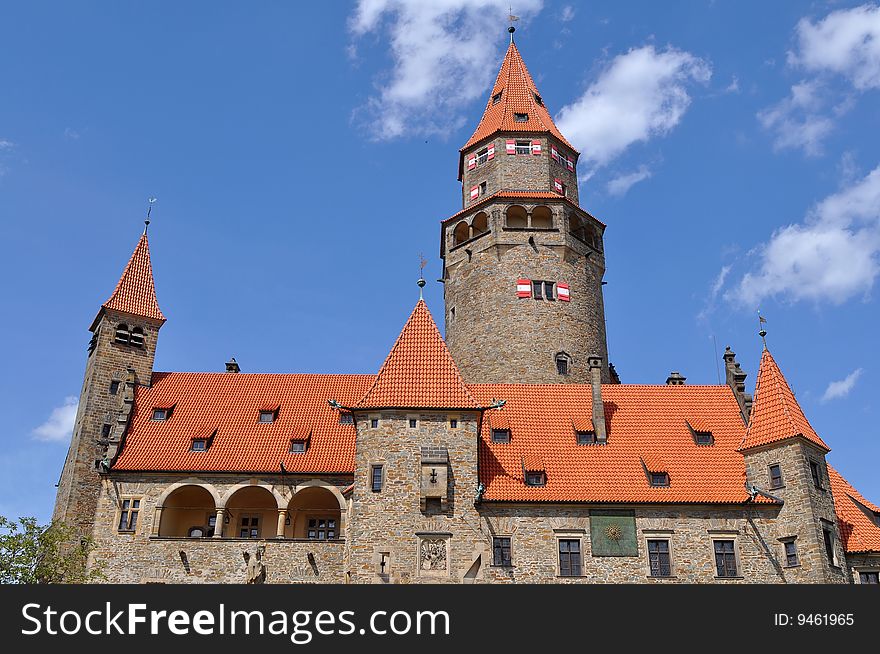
135 292
419 371
776 414
641 420
230 404
654 462
518 93
858 518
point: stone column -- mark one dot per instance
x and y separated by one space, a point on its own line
282 518
157 519
218 526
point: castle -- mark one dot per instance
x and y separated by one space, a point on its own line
510 452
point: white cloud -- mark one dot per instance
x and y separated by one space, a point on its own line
845 43
6 145
733 87
623 183
445 54
639 95
832 256
718 284
567 13
839 389
59 426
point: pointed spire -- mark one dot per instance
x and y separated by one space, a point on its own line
518 95
776 414
419 372
135 292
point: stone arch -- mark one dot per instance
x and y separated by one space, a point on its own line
279 498
480 223
316 511
254 511
160 502
122 334
186 511
343 504
542 217
576 226
461 233
136 338
516 216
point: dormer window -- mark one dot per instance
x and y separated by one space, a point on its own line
659 479
701 432
539 100
267 415
297 447
703 437
536 478
520 118
500 435
497 97
160 415
585 437
199 445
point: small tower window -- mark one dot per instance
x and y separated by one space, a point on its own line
523 147
105 431
114 387
137 337
539 100
123 336
483 188
563 363
776 476
376 478
482 156
520 118
413 423
497 97
374 423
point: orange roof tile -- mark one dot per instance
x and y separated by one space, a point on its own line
533 463
582 423
135 292
654 462
518 93
858 518
419 371
498 420
776 414
640 419
228 403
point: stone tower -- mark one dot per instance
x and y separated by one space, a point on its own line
523 262
120 356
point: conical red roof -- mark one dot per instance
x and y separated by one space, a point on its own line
776 414
419 372
136 293
518 95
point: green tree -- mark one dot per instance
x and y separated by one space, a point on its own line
50 554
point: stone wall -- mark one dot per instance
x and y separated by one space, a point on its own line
857 563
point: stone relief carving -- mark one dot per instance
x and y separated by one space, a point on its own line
255 572
432 555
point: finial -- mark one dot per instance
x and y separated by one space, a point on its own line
763 332
422 263
511 18
150 202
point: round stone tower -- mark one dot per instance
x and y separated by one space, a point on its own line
523 263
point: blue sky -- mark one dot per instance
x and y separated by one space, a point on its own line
303 155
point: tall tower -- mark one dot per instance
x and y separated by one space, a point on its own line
523 262
120 356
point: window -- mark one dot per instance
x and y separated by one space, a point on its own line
161 414
137 337
212 524
501 550
93 343
816 472
497 97
199 445
520 118
267 416
114 387
523 147
535 479
659 479
585 437
196 532
569 557
562 188
658 558
413 423
128 516
725 558
829 544
250 527
483 188
482 156
105 431
376 478
346 419
537 290
539 100
869 577
453 424
775 476
703 437
562 364
122 334
297 447
500 435
374 423
791 556
321 529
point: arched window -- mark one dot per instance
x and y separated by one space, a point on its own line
576 227
461 234
563 363
122 334
137 337
542 217
480 223
516 216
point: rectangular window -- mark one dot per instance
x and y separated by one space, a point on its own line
569 557
160 414
816 473
791 556
482 156
105 431
297 447
538 290
413 423
453 424
520 118
496 98
659 479
725 558
658 558
212 524
775 476
501 550
586 437
829 544
535 479
128 517
548 291
114 387
267 416
500 435
199 445
321 529
483 188
376 479
703 437
346 419
539 100
870 577
561 365
374 423
523 147
250 527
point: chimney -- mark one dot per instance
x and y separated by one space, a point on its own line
595 364
675 379
232 365
736 379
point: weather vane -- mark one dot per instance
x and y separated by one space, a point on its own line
763 332
150 202
511 18
422 263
